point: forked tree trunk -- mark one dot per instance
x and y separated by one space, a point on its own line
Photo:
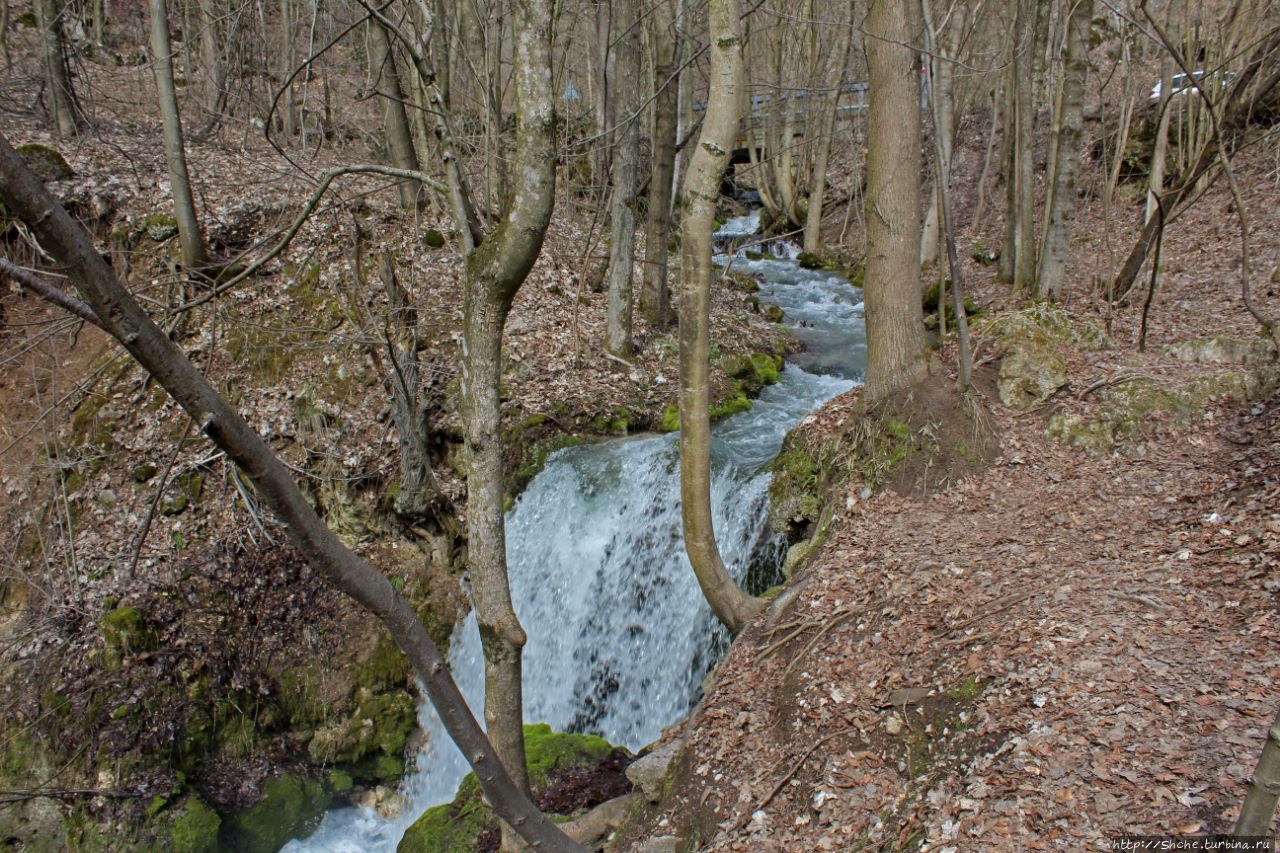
57 77
655 300
395 122
194 254
625 68
731 605
1060 207
122 318
896 351
494 273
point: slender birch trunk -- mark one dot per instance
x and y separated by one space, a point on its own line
194 253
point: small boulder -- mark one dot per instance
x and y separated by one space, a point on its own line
46 162
648 772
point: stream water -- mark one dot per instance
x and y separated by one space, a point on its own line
620 636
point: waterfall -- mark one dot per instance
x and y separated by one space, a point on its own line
620 636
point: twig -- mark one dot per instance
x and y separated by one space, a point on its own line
782 783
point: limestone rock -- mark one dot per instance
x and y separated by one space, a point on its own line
1030 374
1220 349
649 771
660 844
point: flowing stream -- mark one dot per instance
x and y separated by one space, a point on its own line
620 637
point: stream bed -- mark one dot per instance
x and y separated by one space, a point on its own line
620 637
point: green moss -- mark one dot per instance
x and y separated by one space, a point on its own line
433 239
160 226
46 162
378 728
125 632
266 354
340 781
386 666
809 260
735 404
291 807
453 827
195 829
794 499
670 418
144 472
767 367
27 19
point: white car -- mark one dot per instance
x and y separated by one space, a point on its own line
1181 86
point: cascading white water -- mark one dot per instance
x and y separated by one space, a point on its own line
620 636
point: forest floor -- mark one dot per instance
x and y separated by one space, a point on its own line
1066 647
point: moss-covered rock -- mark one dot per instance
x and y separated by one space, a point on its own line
125 632
1032 339
195 828
160 226
144 472
433 239
46 162
371 742
453 827
291 807
1220 349
794 498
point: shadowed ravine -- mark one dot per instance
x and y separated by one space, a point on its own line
620 637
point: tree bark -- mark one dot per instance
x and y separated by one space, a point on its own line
194 254
57 76
494 273
896 351
1023 213
1260 804
395 122
122 318
625 67
655 299
731 605
1060 210
944 103
818 189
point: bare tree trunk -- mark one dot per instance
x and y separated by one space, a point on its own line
945 104
813 215
1060 210
1024 218
655 300
211 58
896 351
625 68
731 605
288 117
494 273
419 493
942 155
57 77
1155 177
601 154
1260 805
194 254
386 77
122 318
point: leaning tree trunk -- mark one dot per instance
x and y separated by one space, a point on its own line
731 605
109 303
494 272
1260 805
625 68
896 351
194 254
1061 207
655 299
57 77
396 123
